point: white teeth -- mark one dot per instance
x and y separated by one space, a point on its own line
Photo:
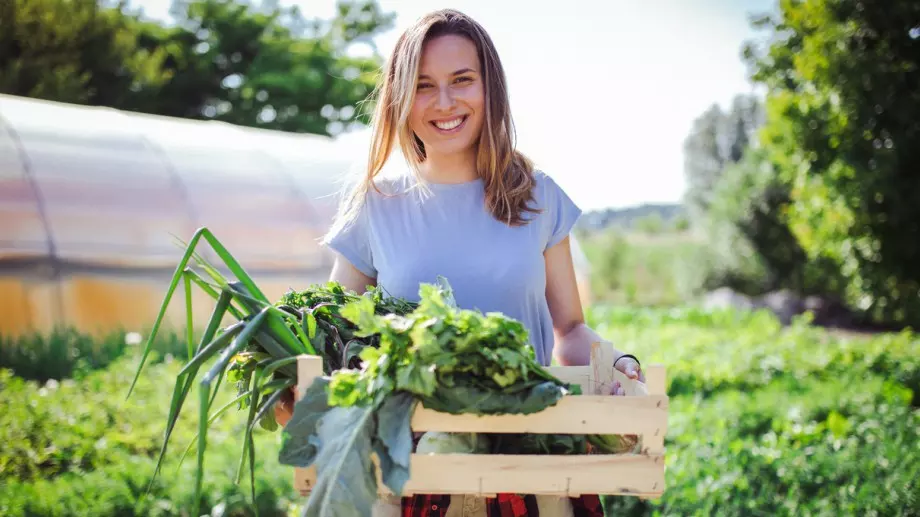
447 126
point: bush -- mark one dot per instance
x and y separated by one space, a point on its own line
75 448
764 420
767 420
844 116
637 269
752 248
66 352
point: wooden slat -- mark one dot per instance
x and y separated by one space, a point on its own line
642 475
583 414
653 443
577 375
308 369
535 474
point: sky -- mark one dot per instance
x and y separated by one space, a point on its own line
603 92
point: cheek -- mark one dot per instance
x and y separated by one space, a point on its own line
476 100
416 117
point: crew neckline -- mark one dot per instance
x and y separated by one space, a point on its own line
453 186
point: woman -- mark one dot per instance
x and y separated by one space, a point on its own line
470 208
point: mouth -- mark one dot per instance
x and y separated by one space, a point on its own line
451 125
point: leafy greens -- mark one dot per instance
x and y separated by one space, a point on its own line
452 360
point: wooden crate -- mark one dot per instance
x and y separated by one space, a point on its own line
643 412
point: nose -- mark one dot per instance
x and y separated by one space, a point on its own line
445 99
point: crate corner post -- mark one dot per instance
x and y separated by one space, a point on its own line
309 367
653 443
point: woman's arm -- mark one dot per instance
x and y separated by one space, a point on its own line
573 337
349 276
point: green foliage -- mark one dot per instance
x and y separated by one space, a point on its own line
76 448
843 120
456 361
227 60
752 248
650 224
739 203
272 69
66 353
767 420
631 268
451 360
764 420
74 51
717 140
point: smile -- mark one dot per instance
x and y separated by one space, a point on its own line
450 125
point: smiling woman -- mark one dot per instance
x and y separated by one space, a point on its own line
469 207
447 114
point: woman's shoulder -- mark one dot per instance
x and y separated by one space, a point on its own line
546 190
557 211
391 186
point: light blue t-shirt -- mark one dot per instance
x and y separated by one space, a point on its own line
413 237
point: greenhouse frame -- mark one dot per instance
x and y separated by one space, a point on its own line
95 204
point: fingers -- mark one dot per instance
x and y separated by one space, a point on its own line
284 407
617 389
632 371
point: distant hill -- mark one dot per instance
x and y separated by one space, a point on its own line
626 217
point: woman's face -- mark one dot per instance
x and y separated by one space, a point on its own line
449 106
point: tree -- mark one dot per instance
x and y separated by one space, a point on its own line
843 104
751 246
266 67
254 65
73 51
717 140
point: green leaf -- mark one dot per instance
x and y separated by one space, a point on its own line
394 434
298 447
417 378
346 484
464 397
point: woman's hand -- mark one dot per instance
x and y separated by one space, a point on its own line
631 369
284 408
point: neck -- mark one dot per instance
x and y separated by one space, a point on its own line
452 168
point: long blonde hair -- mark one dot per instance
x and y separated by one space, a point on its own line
506 173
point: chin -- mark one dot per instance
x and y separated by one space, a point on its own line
448 148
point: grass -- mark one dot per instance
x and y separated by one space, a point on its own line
642 269
66 353
765 420
77 448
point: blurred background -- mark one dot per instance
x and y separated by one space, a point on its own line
749 171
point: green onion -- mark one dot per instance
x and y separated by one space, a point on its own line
258 352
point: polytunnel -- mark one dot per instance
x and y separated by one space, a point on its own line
94 201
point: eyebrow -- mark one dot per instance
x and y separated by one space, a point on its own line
458 72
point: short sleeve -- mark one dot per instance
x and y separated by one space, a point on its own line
353 241
560 212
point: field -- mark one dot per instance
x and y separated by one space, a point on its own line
642 269
765 420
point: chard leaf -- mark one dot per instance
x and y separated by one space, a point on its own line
394 440
346 484
299 448
466 397
394 476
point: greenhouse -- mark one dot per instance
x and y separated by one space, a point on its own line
95 204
